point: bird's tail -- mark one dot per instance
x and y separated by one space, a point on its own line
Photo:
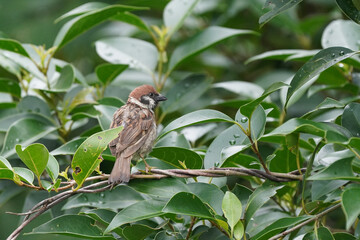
121 170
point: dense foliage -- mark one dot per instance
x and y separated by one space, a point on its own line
271 96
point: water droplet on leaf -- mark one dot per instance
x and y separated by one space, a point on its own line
244 120
232 142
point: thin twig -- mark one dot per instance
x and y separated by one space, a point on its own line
280 235
192 223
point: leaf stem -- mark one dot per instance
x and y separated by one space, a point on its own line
192 223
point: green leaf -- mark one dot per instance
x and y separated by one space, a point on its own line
25 131
200 42
72 225
327 131
348 30
341 170
25 174
33 104
284 160
209 194
278 6
164 188
6 173
248 109
343 236
120 197
324 233
87 7
106 115
52 168
278 226
351 118
64 82
175 155
173 139
233 136
136 53
35 157
68 148
136 212
133 20
103 216
320 62
200 116
87 156
137 231
232 208
82 23
239 231
108 72
176 12
351 9
10 86
187 204
258 198
283 54
185 92
4 163
13 46
321 188
246 90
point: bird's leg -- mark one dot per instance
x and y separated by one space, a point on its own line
147 166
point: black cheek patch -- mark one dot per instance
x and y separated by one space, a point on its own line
144 101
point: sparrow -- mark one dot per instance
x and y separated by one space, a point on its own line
137 137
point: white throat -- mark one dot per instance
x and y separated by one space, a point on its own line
140 104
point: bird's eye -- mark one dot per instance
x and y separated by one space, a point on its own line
151 94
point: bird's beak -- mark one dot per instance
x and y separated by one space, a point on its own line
160 98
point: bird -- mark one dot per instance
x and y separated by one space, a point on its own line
136 139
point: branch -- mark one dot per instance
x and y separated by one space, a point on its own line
48 203
280 235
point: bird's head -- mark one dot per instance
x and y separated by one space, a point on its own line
146 96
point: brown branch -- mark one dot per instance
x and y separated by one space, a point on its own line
48 203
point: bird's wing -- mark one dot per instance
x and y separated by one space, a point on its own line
137 123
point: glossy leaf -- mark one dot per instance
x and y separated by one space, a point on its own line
87 156
6 171
52 167
176 12
33 104
120 197
136 53
351 9
25 174
343 236
35 157
87 7
132 19
200 116
185 92
277 7
24 131
64 82
239 231
209 194
351 118
187 204
278 226
200 42
320 62
13 46
321 188
82 23
283 161
284 54
106 115
351 205
258 198
136 212
248 109
324 233
108 72
68 148
232 208
340 169
164 188
330 133
175 155
244 89
137 231
348 30
72 225
10 86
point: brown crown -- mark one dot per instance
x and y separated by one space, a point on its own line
142 90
